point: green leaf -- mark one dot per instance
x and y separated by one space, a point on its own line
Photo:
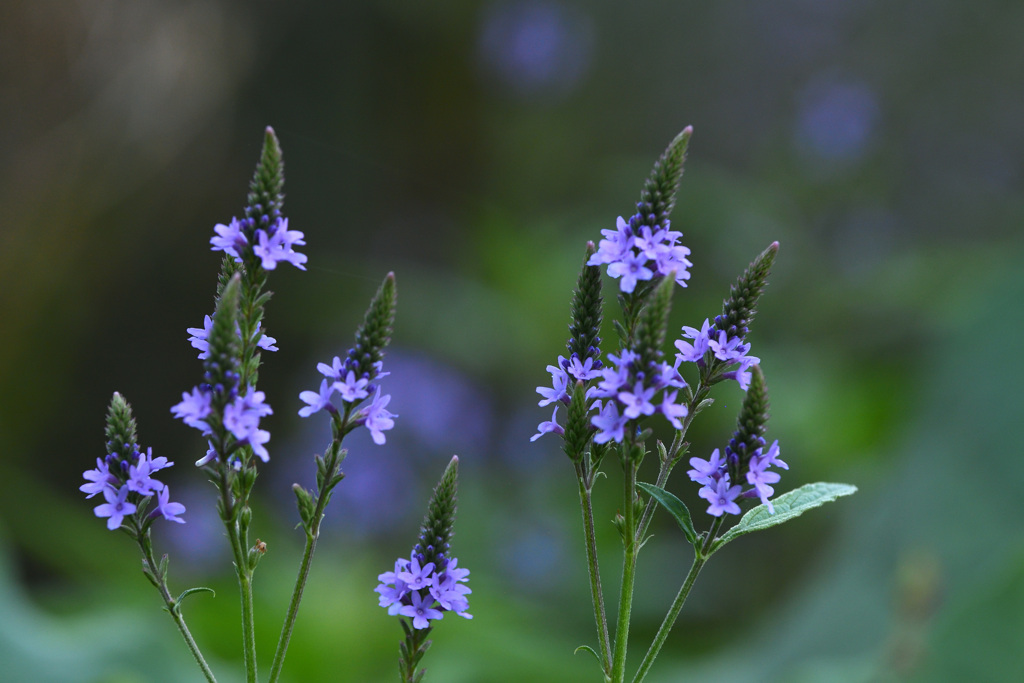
587 648
675 507
190 591
787 506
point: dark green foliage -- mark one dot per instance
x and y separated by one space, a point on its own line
436 531
739 309
375 331
751 424
122 438
266 191
659 194
587 307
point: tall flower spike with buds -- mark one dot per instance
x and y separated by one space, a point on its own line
645 247
722 344
125 477
746 460
347 383
429 583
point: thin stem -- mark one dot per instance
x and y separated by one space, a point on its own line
666 467
173 608
596 591
699 560
300 582
244 577
628 571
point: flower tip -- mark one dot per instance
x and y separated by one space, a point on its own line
688 131
269 130
774 246
455 460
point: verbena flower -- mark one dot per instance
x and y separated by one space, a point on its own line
430 582
638 251
711 345
199 338
270 241
125 475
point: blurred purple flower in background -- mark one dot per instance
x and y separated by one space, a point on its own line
535 47
836 121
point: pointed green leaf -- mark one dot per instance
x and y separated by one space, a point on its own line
675 507
587 648
787 506
198 589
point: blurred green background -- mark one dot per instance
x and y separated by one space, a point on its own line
473 148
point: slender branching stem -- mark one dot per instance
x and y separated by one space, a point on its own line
173 607
597 592
628 569
236 541
700 558
312 534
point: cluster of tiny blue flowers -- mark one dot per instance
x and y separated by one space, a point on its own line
728 350
270 240
718 487
635 251
127 484
241 417
623 392
199 338
341 380
424 591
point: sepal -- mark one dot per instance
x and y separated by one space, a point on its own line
739 309
266 191
374 333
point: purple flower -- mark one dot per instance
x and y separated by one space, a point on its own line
582 371
631 269
706 471
416 576
549 426
615 246
721 496
638 401
139 480
99 479
200 337
351 389
230 239
279 246
242 419
420 610
317 401
194 409
377 419
332 371
729 349
560 385
610 425
692 353
672 410
116 507
167 509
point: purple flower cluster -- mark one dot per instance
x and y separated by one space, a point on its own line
635 251
127 485
271 241
624 392
200 336
241 417
718 488
341 379
424 591
728 350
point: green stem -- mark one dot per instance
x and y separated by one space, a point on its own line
300 582
628 571
173 608
596 591
699 560
235 537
